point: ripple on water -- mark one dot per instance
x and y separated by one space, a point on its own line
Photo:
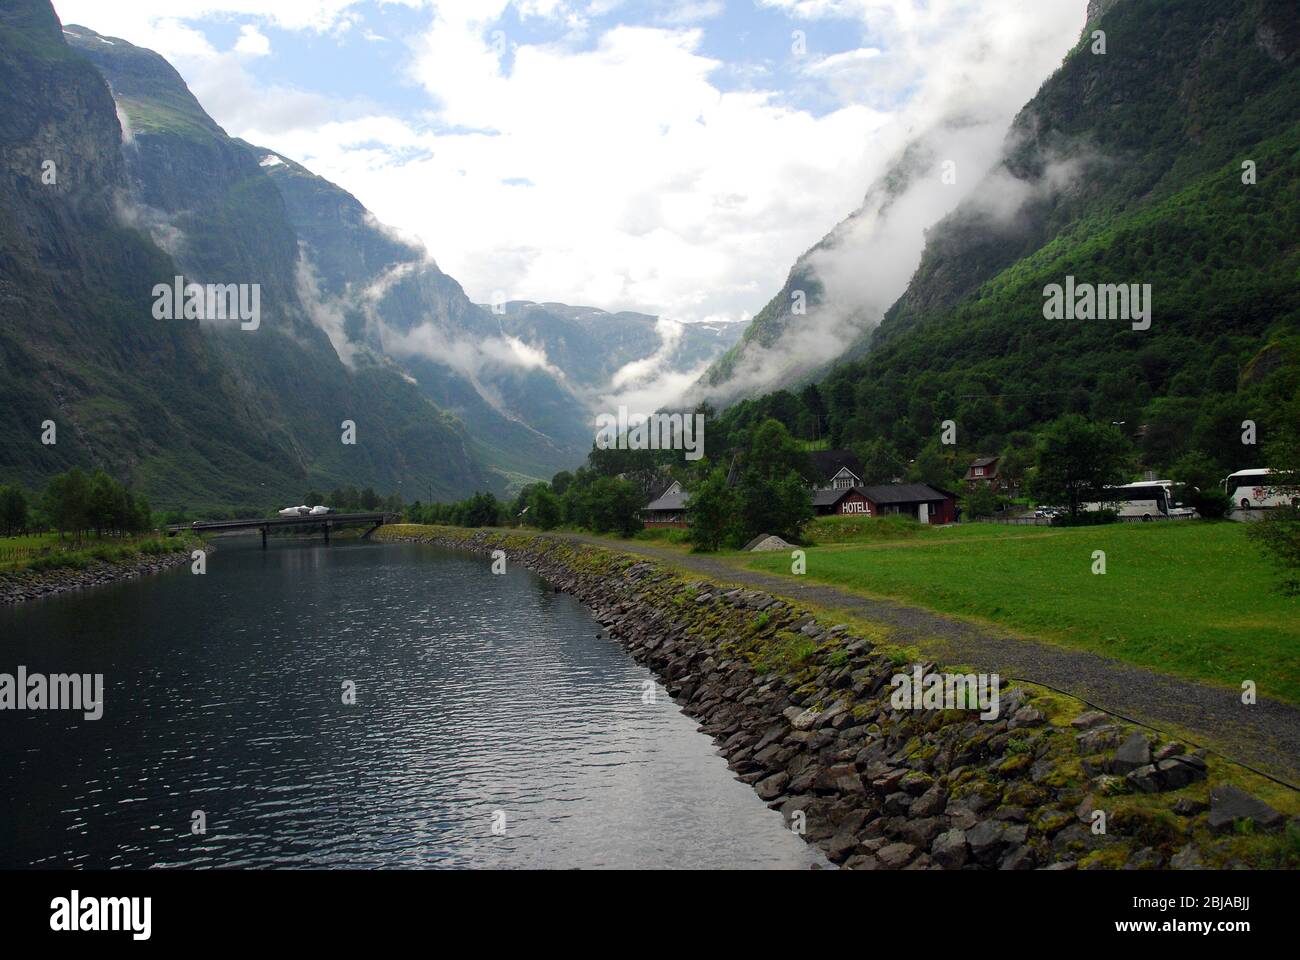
477 696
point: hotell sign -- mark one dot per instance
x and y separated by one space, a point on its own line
855 506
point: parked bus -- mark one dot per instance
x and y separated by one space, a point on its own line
1250 488
1146 500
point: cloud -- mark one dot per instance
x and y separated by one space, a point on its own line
137 20
621 167
252 42
650 383
976 68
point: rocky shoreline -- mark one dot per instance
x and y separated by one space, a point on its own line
29 585
802 711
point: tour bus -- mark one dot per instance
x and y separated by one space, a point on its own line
1250 488
1145 500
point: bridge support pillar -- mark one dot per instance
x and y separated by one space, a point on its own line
327 532
264 537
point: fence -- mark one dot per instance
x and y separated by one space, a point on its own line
1047 521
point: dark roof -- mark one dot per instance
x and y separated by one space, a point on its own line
661 487
669 501
983 461
824 498
827 463
902 493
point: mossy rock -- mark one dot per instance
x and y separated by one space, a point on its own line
1112 856
1014 765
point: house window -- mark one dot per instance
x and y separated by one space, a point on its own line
979 471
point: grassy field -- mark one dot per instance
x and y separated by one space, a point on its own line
45 551
1194 599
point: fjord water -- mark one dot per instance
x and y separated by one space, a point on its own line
477 695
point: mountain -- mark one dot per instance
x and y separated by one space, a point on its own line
356 323
144 187
591 346
382 299
802 330
837 291
1169 160
383 302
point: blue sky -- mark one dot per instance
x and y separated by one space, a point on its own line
667 156
751 42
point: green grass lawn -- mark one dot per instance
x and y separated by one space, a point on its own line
1191 598
46 551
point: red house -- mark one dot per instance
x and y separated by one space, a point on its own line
985 471
917 500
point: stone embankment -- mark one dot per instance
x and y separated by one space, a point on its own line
30 584
803 712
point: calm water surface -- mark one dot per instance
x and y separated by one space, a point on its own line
477 697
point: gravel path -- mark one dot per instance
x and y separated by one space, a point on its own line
1265 735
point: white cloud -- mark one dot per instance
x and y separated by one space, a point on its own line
975 68
639 183
619 171
252 42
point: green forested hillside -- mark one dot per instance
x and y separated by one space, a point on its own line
1154 135
193 413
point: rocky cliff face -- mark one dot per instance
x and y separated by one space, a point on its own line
195 413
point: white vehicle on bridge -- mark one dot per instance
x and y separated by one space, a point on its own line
301 511
319 511
1251 488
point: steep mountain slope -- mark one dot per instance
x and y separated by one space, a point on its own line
195 412
523 377
591 345
800 331
1172 160
381 299
838 291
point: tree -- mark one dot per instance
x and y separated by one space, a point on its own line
13 509
712 509
932 466
543 508
1278 534
64 501
1200 485
773 453
815 411
481 510
103 505
881 462
560 482
779 506
979 502
1076 459
616 506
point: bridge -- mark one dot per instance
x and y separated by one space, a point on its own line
325 522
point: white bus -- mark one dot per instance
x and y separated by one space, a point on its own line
1146 500
1250 488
